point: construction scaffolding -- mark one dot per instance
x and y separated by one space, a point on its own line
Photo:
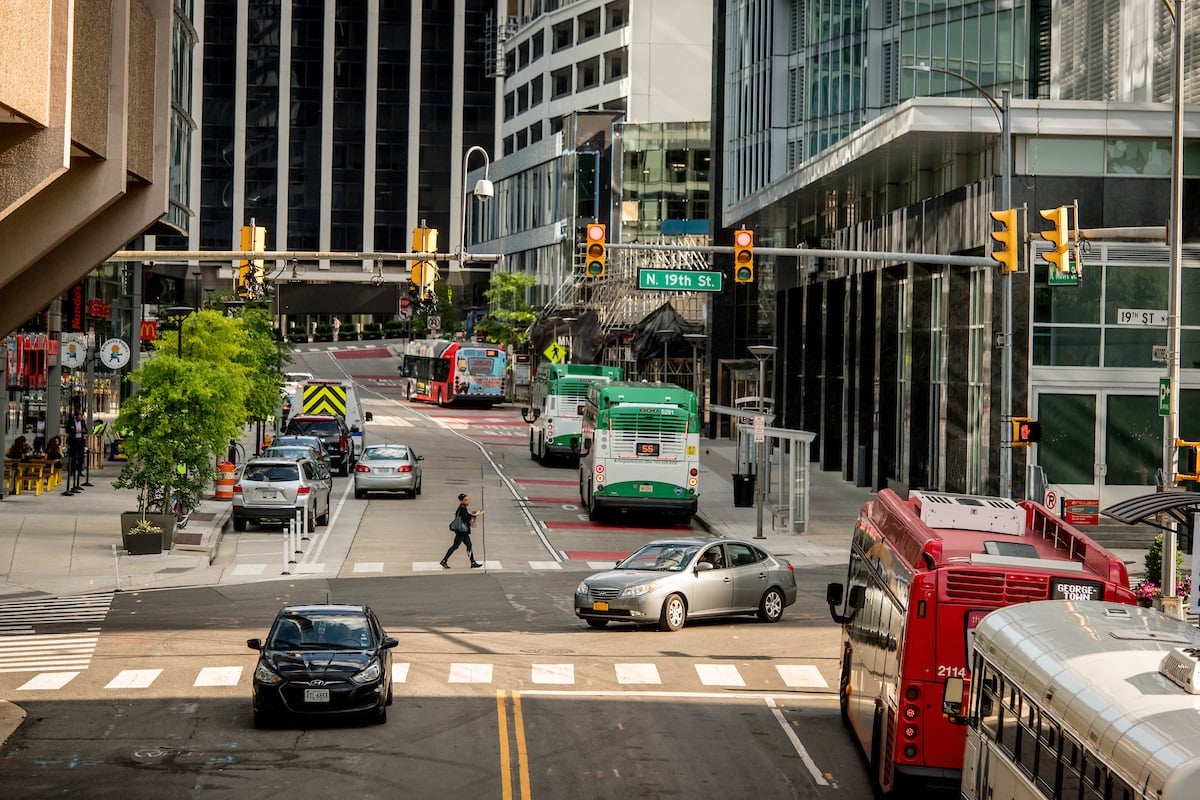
620 306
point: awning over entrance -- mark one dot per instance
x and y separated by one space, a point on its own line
1144 510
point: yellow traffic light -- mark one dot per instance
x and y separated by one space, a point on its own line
743 256
252 274
423 274
1009 257
1059 237
595 250
1187 461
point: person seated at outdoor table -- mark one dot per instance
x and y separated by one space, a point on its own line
54 451
20 449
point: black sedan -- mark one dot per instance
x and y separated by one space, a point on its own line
326 660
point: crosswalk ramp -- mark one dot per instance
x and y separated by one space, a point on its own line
51 633
675 675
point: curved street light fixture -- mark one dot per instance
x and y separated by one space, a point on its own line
483 191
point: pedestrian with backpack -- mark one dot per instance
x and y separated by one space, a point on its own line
464 519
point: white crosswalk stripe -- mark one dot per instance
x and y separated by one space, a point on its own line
391 421
631 676
52 633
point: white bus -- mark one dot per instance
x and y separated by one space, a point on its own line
555 412
1083 700
640 450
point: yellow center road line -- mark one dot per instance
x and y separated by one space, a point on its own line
506 792
522 750
502 724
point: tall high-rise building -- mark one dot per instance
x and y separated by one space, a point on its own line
337 126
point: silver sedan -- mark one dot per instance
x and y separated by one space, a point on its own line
671 580
387 468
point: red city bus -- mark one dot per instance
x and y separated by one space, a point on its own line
923 572
444 372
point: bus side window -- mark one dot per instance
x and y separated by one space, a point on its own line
1027 742
1047 777
988 713
1072 781
1010 715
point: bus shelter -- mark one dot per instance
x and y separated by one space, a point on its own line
785 482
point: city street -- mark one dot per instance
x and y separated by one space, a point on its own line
499 689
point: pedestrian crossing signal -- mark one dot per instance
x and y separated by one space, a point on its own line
596 251
743 256
1026 431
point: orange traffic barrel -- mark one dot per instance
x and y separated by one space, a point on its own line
225 480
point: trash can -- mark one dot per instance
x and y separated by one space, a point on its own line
743 491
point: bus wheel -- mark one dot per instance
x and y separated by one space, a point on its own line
674 614
597 623
770 608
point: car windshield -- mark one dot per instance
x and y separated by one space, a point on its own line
288 452
271 473
320 631
669 557
383 453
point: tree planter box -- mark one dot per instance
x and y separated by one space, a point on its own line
146 545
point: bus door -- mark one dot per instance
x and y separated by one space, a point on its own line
1103 445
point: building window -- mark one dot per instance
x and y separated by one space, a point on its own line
509 106
523 99
617 14
977 386
508 145
561 81
535 132
564 35
587 74
535 91
537 46
523 55
615 65
589 25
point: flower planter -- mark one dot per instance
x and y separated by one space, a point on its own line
140 545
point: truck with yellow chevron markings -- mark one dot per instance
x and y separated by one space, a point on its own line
331 398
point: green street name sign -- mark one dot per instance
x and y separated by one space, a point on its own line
679 280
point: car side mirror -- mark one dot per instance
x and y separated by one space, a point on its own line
369 416
354 429
704 566
254 644
833 594
952 698
389 642
420 458
858 597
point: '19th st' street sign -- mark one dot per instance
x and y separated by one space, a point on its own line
679 280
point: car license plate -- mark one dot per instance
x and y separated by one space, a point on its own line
646 487
387 469
316 695
268 494
599 605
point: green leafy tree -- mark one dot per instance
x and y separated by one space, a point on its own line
183 412
510 317
445 310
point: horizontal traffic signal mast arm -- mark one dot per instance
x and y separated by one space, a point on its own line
866 255
159 256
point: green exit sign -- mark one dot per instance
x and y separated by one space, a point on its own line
679 280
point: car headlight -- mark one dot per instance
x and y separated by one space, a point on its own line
264 674
368 675
637 590
582 588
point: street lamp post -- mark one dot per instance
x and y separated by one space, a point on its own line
1174 299
484 190
696 340
1003 111
179 313
762 352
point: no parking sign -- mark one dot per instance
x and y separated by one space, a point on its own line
1050 500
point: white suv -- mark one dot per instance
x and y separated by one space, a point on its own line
271 490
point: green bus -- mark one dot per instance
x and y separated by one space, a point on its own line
640 450
555 414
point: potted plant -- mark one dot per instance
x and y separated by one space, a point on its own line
1146 593
143 537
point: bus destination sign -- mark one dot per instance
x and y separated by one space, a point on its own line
679 280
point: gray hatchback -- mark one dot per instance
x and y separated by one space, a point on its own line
272 490
672 580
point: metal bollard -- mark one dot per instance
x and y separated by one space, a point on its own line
304 523
299 523
287 547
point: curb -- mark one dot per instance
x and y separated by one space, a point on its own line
11 717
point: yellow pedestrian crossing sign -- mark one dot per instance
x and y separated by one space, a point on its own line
555 352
